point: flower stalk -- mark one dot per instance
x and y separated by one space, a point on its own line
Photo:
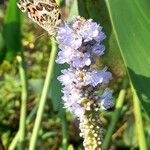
24 97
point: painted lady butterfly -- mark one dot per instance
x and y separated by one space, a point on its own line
45 13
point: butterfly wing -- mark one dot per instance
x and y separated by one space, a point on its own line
45 13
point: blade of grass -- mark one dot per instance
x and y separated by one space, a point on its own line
115 115
43 97
48 135
138 120
30 117
12 32
24 97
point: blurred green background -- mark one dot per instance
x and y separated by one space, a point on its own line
127 26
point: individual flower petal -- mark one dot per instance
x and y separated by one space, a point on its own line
98 49
63 31
81 60
106 99
101 35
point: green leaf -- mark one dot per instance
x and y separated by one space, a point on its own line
73 10
82 9
1 41
2 47
131 23
130 134
55 93
92 7
55 89
12 33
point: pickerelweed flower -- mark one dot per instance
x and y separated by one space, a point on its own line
80 42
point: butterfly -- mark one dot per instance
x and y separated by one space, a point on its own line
45 13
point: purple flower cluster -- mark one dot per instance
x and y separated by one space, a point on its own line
80 42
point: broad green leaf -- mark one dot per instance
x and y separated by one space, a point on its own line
12 34
82 9
93 9
131 23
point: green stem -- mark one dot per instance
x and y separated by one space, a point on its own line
15 140
24 97
43 97
115 115
48 135
64 130
32 114
138 120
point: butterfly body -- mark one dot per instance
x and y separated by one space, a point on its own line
45 13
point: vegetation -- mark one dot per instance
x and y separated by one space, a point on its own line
30 95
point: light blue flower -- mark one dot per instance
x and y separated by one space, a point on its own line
79 43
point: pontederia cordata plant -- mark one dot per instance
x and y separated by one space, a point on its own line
80 44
